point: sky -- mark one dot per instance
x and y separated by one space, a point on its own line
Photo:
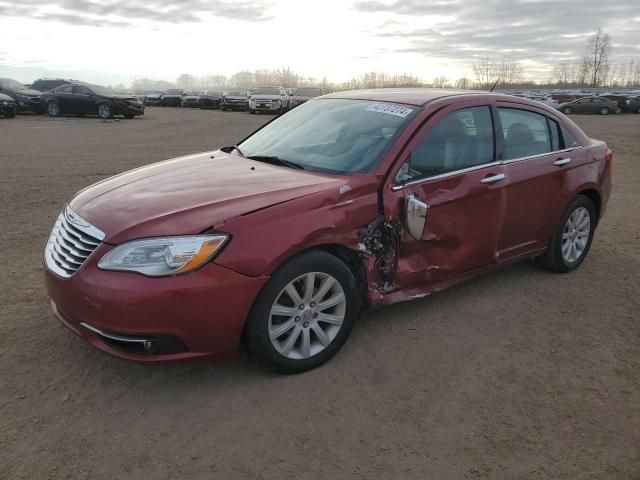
116 41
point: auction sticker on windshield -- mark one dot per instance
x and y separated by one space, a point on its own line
390 109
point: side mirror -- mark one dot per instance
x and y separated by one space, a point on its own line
415 216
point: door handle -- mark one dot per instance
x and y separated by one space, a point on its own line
493 178
562 161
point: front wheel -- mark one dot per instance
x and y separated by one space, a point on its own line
567 110
304 314
105 111
53 109
572 237
604 111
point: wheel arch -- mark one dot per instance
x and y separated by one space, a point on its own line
593 195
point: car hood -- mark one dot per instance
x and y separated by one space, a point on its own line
29 92
265 97
190 195
6 98
235 97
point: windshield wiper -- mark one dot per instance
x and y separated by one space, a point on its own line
231 149
275 161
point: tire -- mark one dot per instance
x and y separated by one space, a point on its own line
105 111
11 115
604 111
129 116
53 109
638 111
567 110
618 111
554 258
288 352
252 111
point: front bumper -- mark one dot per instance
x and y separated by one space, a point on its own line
234 105
265 107
198 315
8 109
29 105
129 109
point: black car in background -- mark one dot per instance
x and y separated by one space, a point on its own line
211 99
621 100
304 94
235 100
8 106
153 97
632 104
28 100
46 84
172 97
79 98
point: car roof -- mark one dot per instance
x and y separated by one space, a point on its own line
409 96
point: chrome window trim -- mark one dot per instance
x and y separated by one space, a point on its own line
395 188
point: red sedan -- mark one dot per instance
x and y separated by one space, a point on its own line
351 200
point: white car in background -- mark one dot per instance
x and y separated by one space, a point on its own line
546 100
269 99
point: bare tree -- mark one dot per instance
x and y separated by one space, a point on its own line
564 74
463 83
597 56
510 71
441 82
486 72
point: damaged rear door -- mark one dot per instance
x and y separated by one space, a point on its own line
448 187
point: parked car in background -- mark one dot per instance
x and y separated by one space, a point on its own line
546 100
633 104
211 99
192 98
354 199
154 97
268 99
28 100
621 101
562 97
8 106
303 94
172 97
234 100
46 84
79 98
599 105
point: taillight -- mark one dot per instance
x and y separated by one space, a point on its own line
608 156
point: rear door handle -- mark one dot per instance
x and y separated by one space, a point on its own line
493 178
562 161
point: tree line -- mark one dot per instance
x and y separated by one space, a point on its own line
593 69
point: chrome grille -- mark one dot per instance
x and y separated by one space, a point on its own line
71 242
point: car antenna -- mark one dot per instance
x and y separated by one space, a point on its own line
495 83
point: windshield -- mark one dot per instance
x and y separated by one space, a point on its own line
11 84
309 92
193 93
100 90
332 135
267 91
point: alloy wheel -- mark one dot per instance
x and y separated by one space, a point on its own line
307 315
567 110
575 236
53 109
604 111
104 111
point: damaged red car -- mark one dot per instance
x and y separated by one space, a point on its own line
351 200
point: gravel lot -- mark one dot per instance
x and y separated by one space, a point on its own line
522 374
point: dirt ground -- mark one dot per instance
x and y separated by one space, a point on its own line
522 374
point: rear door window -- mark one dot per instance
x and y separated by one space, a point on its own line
525 133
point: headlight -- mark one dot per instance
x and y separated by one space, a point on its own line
163 256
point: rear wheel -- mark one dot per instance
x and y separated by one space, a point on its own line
572 237
604 111
53 109
304 314
567 110
105 111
